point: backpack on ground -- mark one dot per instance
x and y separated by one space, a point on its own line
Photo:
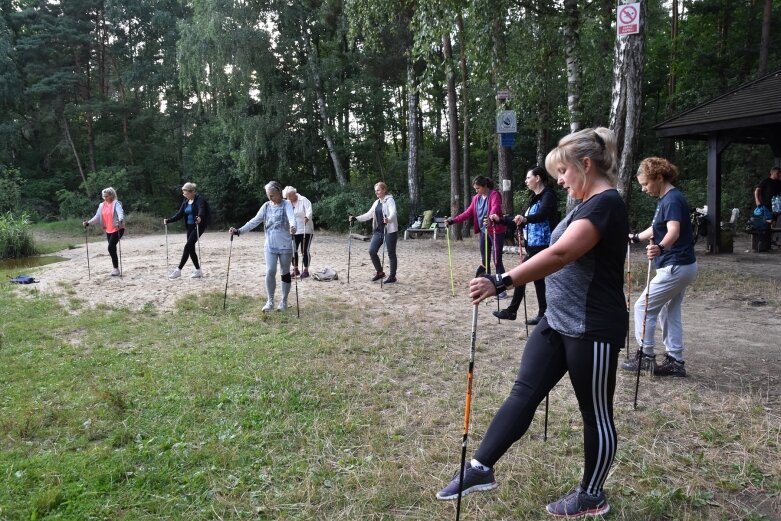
325 275
23 279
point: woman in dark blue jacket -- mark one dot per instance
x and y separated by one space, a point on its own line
196 214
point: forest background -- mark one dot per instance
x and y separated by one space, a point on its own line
331 96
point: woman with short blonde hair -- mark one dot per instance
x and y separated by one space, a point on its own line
195 211
111 217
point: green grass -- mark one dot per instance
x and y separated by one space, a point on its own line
203 414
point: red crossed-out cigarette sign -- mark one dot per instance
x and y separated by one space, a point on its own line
628 19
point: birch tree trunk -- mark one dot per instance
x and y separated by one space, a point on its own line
452 121
314 69
463 231
413 182
504 153
72 145
572 57
627 100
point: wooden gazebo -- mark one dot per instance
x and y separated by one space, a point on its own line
749 114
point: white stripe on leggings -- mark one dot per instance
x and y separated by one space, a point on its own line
605 430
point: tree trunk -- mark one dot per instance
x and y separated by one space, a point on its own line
463 231
413 182
627 100
452 121
667 145
69 139
572 57
504 153
314 69
765 41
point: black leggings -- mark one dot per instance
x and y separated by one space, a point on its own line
304 239
539 287
592 372
113 240
190 246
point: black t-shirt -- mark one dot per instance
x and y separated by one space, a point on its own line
586 297
768 189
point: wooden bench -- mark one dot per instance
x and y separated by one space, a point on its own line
436 231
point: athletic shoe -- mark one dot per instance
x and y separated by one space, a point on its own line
379 276
305 273
269 306
502 295
578 504
670 367
296 273
115 272
534 321
175 274
282 305
197 274
505 314
390 280
474 480
648 364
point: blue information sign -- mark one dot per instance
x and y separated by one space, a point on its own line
508 140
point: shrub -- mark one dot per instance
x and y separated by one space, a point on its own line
16 241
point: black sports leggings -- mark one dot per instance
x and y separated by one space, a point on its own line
190 246
113 240
304 239
592 370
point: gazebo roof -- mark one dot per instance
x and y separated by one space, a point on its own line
750 113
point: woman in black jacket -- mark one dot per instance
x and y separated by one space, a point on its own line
195 212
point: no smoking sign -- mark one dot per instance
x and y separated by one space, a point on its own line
628 19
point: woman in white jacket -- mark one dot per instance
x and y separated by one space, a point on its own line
385 227
112 218
305 228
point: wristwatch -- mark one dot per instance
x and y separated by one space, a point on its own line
661 248
500 281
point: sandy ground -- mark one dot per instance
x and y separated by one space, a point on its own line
733 339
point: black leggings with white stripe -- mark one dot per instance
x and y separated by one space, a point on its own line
592 369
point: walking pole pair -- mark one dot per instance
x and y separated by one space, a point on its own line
86 244
349 248
642 336
519 238
119 245
227 273
450 262
488 264
467 409
628 293
298 310
198 240
384 240
166 246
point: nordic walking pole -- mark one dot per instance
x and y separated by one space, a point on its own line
166 247
488 263
349 247
384 239
628 293
642 336
450 261
227 274
467 409
119 243
198 240
298 309
86 244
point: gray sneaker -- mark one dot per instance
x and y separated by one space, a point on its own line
648 364
578 504
670 367
474 480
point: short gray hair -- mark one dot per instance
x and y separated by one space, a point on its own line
288 190
189 187
109 191
273 186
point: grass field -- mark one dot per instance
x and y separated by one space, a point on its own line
203 414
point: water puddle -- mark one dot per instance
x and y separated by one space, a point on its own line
29 262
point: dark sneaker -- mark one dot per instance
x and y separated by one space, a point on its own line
578 504
505 314
534 321
390 280
670 367
305 273
648 364
379 276
296 273
474 480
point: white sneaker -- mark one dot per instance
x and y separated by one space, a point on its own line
115 272
197 274
268 307
175 274
282 305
